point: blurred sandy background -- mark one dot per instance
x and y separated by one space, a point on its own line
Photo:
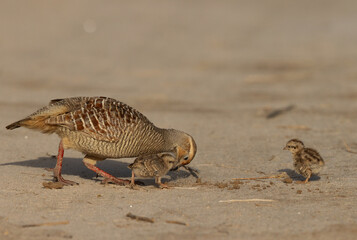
215 69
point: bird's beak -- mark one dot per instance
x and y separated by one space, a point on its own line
285 148
175 168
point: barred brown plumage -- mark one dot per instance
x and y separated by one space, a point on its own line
307 161
101 128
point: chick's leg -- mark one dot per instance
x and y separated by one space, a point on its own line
132 178
58 169
308 176
161 185
90 162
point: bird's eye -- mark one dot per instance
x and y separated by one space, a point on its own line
185 158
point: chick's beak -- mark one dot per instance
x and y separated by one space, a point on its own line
285 148
175 168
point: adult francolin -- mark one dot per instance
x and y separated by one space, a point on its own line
101 128
307 161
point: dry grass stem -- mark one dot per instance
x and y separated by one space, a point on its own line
185 188
246 200
348 149
296 127
176 222
280 175
46 224
139 218
280 111
193 172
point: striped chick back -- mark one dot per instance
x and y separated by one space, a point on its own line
154 165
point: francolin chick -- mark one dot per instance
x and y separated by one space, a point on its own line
153 165
307 161
101 128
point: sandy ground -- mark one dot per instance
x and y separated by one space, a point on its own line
215 69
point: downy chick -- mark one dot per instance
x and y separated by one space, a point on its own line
153 165
307 161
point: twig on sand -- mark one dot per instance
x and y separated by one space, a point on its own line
194 172
139 218
348 149
246 200
176 222
185 188
295 127
45 224
280 111
280 175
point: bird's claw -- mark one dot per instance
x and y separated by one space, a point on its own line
64 181
163 186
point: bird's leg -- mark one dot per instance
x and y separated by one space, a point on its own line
307 178
89 162
58 169
132 183
161 185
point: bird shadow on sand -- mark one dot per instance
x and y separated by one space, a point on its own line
297 177
75 167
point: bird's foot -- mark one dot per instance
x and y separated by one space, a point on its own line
57 177
163 186
64 181
133 186
116 181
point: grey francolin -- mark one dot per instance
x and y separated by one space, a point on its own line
153 165
101 128
307 161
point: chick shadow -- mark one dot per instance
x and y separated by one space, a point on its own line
297 177
75 167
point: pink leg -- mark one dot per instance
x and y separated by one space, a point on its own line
307 178
58 169
161 185
132 178
106 175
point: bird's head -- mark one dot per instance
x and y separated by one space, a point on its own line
294 146
185 148
169 159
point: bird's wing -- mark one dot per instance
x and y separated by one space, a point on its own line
311 156
156 165
102 118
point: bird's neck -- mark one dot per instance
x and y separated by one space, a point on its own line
171 138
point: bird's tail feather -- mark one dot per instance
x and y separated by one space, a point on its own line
14 125
37 123
38 120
